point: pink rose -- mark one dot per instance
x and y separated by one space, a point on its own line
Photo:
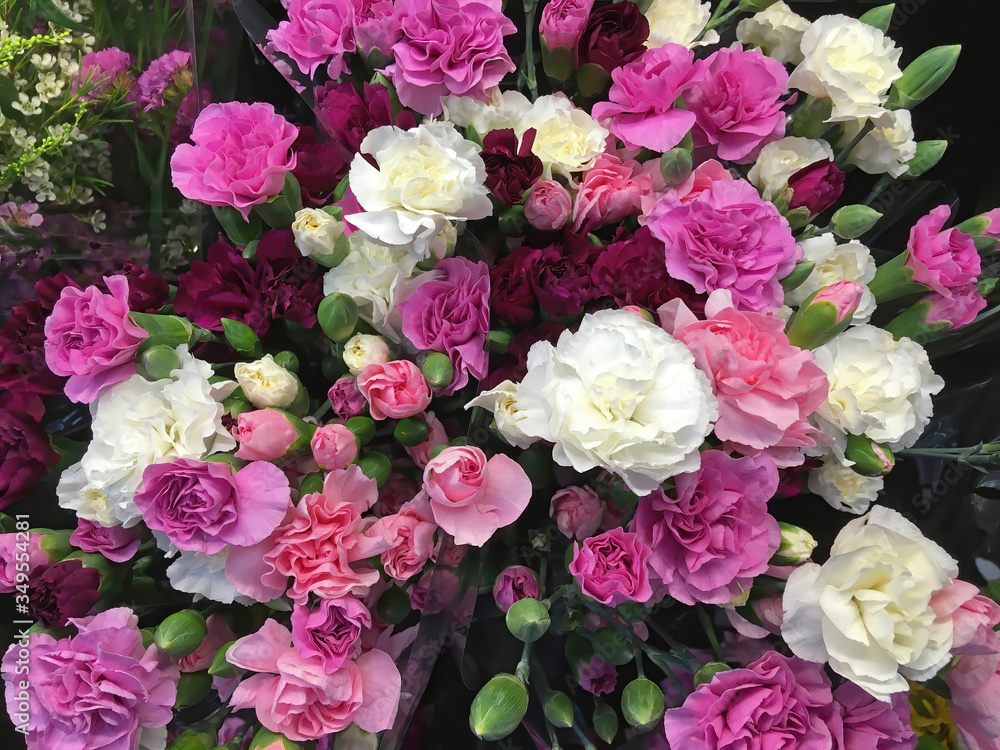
612 568
448 47
562 22
710 542
317 32
597 677
943 261
394 389
610 191
90 337
331 632
578 511
264 435
217 635
220 168
728 238
421 453
409 537
766 388
642 98
736 101
295 697
450 313
471 497
547 206
116 543
334 446
346 399
515 583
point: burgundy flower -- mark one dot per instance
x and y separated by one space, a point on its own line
350 115
614 35
64 590
515 365
511 168
292 285
25 452
319 167
560 276
147 290
224 286
511 295
192 104
817 186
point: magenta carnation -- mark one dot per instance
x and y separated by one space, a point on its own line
870 724
728 238
240 156
448 47
317 32
331 632
710 542
943 261
116 543
515 583
611 568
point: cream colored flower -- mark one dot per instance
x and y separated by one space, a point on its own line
777 31
266 383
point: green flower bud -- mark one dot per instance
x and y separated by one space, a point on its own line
512 222
675 165
870 458
879 17
288 360
825 313
54 543
394 605
265 739
191 740
558 709
528 620
499 340
498 708
157 362
192 688
798 275
612 646
796 546
558 63
170 330
411 431
377 466
438 370
850 222
642 704
591 79
605 721
239 231
147 637
708 671
928 154
362 427
181 633
810 120
338 316
237 403
894 279
572 619
311 483
436 450
923 77
242 338
221 667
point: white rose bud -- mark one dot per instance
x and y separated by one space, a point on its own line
319 236
362 350
777 31
266 383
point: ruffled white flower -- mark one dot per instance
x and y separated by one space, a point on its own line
850 261
879 387
843 488
503 110
502 402
867 610
567 139
425 177
679 22
781 159
204 576
887 148
266 383
620 394
374 275
137 423
317 234
777 31
850 62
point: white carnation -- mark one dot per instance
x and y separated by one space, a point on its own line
425 176
850 62
204 576
678 22
843 488
266 383
850 261
879 387
620 394
503 110
502 402
317 233
781 159
567 139
777 30
867 610
887 148
364 349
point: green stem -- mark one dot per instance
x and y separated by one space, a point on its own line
543 569
523 670
868 127
883 182
156 203
706 623
527 73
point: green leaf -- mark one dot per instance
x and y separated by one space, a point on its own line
48 10
8 94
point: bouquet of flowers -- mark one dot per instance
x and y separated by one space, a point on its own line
564 346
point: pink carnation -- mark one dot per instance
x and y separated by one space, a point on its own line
973 618
958 309
317 32
239 157
766 387
409 536
18 564
515 583
394 390
217 635
116 543
611 190
710 542
562 21
547 206
376 26
331 631
611 568
334 446
943 261
867 723
578 511
597 677
448 47
103 71
728 238
90 337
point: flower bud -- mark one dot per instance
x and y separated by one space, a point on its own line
591 79
171 330
612 646
894 279
338 315
796 546
377 466
928 154
265 383
320 236
192 688
675 165
279 210
334 446
558 63
528 619
923 77
605 721
220 666
708 671
157 362
269 434
798 275
498 708
558 709
241 337
437 369
362 427
870 458
411 431
147 637
364 349
394 605
642 704
879 18
288 360
850 222
265 739
824 314
54 543
181 633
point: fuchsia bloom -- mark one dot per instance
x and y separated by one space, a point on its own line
597 677
394 390
239 157
172 70
817 186
515 583
612 568
611 190
90 337
346 399
867 723
943 261
11 557
316 32
331 632
116 543
562 21
957 310
710 542
97 689
103 71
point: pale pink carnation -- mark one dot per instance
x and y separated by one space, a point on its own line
867 723
409 536
611 190
334 446
394 390
547 206
578 512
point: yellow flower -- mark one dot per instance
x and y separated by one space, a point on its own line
930 716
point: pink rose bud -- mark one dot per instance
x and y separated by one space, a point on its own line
270 434
640 312
825 314
515 583
578 511
394 390
547 206
334 446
